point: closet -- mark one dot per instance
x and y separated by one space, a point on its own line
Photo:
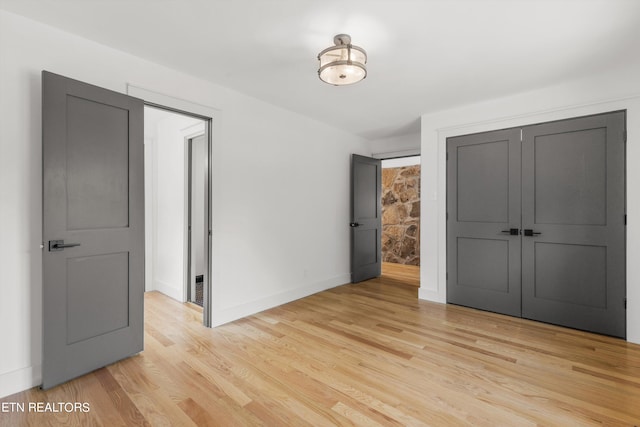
536 222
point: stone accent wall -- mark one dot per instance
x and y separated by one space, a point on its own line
401 215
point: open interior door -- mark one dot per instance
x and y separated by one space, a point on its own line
93 227
366 214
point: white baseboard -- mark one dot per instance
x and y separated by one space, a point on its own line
222 316
20 380
169 290
429 295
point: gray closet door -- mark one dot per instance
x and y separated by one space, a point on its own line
93 228
366 213
573 182
483 220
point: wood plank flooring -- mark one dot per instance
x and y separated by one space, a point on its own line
369 354
401 273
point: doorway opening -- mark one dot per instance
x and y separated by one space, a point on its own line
177 208
400 235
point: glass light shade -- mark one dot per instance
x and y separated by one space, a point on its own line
343 64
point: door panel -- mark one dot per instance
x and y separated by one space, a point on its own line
366 240
97 295
93 198
576 160
366 225
97 169
483 182
573 195
483 264
483 185
573 274
365 195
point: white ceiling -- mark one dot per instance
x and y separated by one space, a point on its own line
424 55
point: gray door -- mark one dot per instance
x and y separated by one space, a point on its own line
573 201
93 228
536 222
483 221
366 214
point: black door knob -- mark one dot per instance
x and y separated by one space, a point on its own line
59 245
511 231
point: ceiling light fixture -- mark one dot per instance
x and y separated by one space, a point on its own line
342 64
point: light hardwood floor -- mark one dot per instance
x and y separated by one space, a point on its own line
367 354
401 273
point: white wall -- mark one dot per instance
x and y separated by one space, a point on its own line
273 242
397 146
615 91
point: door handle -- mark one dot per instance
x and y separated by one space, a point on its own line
59 245
511 231
529 232
354 224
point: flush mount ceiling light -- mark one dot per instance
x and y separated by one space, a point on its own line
342 64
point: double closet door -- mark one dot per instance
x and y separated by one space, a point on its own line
536 222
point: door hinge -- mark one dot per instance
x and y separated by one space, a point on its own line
624 136
625 219
625 303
